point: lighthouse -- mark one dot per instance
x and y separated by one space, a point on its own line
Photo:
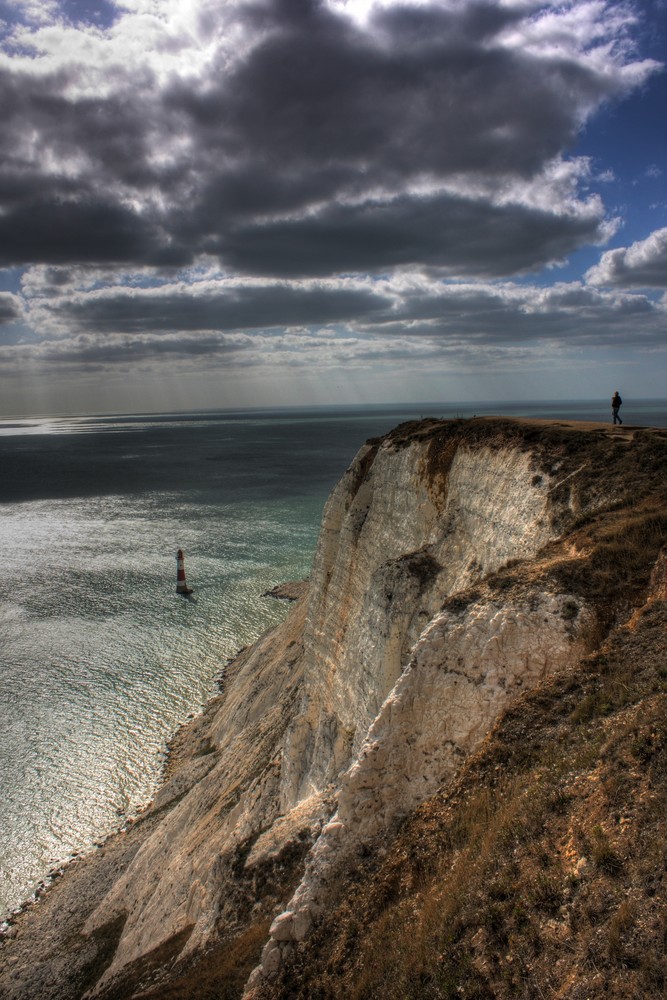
181 585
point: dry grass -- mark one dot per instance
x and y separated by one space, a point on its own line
219 975
542 873
619 549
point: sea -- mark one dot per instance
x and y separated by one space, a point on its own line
100 659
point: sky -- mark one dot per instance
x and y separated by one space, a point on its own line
220 203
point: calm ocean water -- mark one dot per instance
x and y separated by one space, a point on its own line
100 661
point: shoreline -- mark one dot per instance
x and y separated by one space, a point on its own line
178 750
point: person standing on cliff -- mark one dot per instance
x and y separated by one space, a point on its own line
615 407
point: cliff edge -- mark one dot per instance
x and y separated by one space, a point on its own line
468 573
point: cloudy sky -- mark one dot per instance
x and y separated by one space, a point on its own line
213 203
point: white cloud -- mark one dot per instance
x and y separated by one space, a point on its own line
432 317
641 265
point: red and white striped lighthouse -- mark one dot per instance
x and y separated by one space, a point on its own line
181 585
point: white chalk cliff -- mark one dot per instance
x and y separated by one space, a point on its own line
366 699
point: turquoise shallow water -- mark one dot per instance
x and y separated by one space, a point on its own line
100 661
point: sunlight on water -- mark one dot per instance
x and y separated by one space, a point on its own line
102 660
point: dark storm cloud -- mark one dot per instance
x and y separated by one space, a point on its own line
321 112
87 207
426 89
102 136
94 229
222 308
461 236
10 308
307 144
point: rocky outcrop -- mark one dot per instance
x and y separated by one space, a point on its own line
465 668
539 870
433 602
408 525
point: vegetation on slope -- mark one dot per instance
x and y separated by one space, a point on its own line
542 873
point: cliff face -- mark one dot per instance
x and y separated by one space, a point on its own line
455 570
410 523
